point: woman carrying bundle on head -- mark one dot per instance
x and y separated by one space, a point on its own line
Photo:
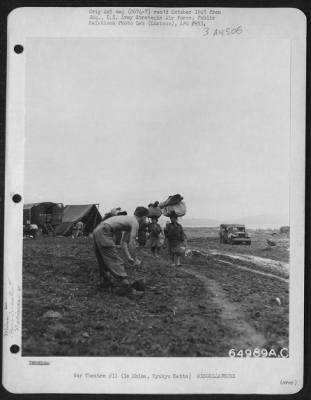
155 239
175 236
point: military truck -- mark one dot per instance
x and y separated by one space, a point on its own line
234 234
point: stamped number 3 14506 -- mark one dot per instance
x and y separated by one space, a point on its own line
237 30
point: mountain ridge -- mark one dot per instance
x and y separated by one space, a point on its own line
263 220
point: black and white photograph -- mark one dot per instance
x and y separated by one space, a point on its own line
158 194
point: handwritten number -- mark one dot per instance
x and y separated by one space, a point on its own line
224 32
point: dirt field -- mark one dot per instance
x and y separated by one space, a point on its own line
223 297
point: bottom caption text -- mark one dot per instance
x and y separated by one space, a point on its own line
124 375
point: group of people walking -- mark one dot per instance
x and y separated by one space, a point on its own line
173 234
111 265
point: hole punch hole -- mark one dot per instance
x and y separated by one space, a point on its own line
17 198
18 48
14 348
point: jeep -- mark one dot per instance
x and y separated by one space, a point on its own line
234 234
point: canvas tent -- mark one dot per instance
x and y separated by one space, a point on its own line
43 213
87 213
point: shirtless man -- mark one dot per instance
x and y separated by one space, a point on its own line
109 262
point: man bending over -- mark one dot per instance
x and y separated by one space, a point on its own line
109 262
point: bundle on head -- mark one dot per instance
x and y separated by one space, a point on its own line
141 211
154 210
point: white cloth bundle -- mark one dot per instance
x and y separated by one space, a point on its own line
180 209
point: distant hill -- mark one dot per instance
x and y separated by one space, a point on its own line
254 221
263 221
198 222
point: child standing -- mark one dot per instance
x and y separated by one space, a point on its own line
155 232
175 236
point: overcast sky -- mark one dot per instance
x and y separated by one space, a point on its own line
123 122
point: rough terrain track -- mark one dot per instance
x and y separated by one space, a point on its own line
231 314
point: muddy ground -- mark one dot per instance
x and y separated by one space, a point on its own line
212 304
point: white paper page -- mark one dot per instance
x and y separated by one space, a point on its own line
120 107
